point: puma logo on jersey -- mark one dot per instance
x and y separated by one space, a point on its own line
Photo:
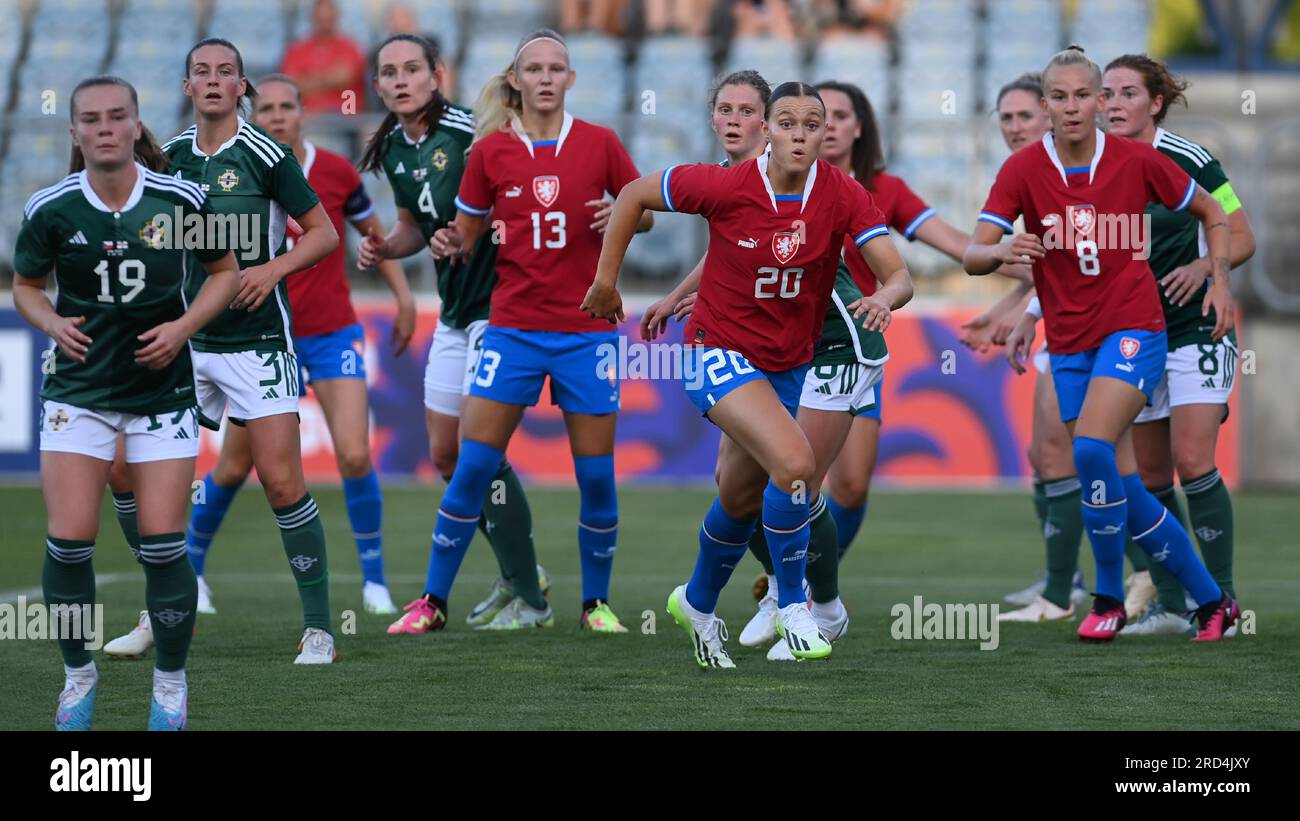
517 191
1162 554
747 243
1127 367
442 540
78 239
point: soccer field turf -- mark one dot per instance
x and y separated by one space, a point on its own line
945 547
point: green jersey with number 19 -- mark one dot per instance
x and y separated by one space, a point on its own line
121 271
254 184
1177 238
425 177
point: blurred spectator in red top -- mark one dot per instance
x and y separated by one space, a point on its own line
326 63
402 19
871 18
603 16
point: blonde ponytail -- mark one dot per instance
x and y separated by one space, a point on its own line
497 105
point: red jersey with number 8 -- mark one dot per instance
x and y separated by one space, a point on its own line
536 193
771 264
1095 279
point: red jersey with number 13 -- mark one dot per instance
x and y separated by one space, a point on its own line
538 192
1095 279
771 263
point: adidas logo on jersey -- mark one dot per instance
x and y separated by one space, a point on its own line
271 394
181 434
401 168
1209 383
78 239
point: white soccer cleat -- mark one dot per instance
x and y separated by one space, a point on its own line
135 644
832 625
499 595
1079 594
375 599
780 651
1026 596
316 647
761 629
1039 610
205 599
707 632
1158 621
520 615
799 629
1141 593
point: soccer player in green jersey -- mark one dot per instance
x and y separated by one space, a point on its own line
1179 430
121 365
244 360
421 146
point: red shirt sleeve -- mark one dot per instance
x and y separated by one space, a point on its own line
910 211
292 62
619 168
477 193
865 221
1003 205
693 189
1166 183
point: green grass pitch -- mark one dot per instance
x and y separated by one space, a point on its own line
946 547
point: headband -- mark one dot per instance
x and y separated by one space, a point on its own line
537 39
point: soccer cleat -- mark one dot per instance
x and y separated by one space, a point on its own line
834 627
761 629
169 710
205 599
76 703
1141 593
520 615
1217 619
760 587
601 619
707 632
135 644
1026 597
1078 592
780 651
1039 610
1158 621
1104 620
499 595
375 599
316 647
799 629
420 616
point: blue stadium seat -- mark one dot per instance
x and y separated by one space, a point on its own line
484 58
600 92
936 81
443 19
258 28
938 21
779 61
1109 28
671 78
861 61
513 18
677 241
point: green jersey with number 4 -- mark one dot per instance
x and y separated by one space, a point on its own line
843 338
425 177
254 183
1177 238
118 269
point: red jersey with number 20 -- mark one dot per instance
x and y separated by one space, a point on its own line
1095 279
538 193
771 264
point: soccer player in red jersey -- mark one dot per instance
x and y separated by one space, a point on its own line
542 177
1082 194
776 228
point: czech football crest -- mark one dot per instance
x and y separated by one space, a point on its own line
546 189
1083 218
785 244
1129 347
228 180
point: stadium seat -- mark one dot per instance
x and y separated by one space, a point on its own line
442 19
513 17
484 58
678 239
256 27
779 61
861 61
671 77
1110 28
600 93
936 80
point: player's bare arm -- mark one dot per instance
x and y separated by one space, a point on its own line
316 243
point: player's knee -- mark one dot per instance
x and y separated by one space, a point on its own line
1093 456
1192 465
354 462
443 455
282 491
850 487
795 470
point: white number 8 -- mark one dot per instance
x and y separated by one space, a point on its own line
1089 265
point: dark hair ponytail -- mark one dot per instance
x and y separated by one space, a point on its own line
372 159
1159 80
867 158
251 93
146 150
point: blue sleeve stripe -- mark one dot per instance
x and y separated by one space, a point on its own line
1187 197
870 234
910 230
985 216
471 210
665 190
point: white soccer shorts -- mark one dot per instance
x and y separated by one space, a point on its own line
453 358
69 429
248 384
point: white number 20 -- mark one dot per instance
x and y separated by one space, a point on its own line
789 286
